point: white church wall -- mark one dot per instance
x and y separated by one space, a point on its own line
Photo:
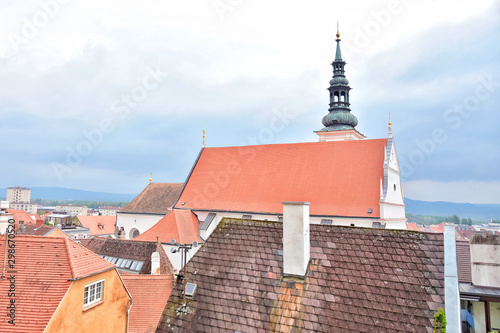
140 222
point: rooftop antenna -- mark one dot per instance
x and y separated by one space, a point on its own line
184 248
203 145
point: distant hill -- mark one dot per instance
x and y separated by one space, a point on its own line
62 193
480 212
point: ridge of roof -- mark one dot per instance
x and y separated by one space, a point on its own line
84 262
154 199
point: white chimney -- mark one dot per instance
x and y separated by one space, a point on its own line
4 217
155 263
296 244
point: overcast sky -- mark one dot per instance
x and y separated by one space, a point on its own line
95 95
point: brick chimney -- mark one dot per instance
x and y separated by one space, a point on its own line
296 244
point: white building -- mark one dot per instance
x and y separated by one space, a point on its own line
147 208
73 210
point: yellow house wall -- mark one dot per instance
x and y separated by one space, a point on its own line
109 316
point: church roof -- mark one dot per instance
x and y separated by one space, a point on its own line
359 280
340 178
156 198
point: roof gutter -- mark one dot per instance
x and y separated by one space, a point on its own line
189 176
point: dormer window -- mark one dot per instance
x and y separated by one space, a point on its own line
93 293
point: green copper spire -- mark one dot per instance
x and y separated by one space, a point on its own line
338 55
339 117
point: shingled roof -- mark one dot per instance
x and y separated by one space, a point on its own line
359 280
156 198
131 249
339 178
44 267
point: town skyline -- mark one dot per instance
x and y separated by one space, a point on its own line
96 96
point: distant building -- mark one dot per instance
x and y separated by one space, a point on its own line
73 210
108 210
31 208
18 194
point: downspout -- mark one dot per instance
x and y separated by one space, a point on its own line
451 291
128 314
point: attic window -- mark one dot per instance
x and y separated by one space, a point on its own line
370 210
246 217
326 221
210 217
191 290
93 293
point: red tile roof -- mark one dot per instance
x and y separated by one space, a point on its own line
98 225
338 178
20 215
149 294
181 225
359 280
43 269
156 198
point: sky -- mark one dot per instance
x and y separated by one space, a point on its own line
97 95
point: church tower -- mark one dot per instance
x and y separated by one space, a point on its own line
339 122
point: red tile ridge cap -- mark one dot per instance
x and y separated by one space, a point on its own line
66 240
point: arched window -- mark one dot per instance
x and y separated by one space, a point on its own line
336 96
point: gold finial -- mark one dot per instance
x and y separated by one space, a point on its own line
150 177
338 33
203 138
390 126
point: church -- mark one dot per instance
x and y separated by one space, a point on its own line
348 180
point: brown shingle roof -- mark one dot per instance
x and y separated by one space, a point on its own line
131 249
463 262
156 198
359 280
149 294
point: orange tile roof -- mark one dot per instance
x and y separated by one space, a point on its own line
43 269
150 294
181 225
94 223
338 178
20 215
